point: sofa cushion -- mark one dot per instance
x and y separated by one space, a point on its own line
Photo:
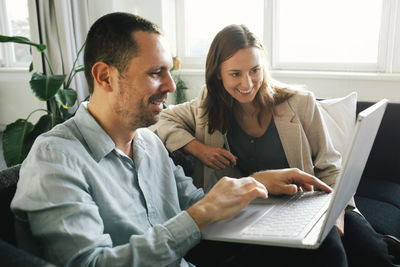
339 115
380 190
384 217
379 201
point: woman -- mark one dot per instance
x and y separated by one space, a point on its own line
244 123
241 95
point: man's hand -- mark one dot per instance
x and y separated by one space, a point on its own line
289 181
227 198
217 158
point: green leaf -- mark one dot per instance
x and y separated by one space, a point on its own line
58 120
46 86
43 125
31 67
21 40
14 137
66 97
180 95
79 69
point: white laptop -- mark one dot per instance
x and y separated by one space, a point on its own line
274 221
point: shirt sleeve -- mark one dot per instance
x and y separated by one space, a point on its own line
188 193
55 199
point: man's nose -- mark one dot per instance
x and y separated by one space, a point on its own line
168 83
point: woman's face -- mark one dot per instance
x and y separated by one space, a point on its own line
242 74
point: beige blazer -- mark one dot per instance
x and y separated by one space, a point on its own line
299 123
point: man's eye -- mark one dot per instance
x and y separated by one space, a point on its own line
155 74
255 70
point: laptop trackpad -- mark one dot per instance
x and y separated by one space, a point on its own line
234 225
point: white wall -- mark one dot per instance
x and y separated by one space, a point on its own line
16 98
371 87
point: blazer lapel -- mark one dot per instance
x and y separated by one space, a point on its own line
289 130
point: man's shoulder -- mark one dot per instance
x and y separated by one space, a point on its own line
148 136
62 135
148 140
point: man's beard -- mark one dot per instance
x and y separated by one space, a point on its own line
144 117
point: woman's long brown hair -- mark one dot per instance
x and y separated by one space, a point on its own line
219 103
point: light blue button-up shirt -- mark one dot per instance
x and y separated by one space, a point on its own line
88 204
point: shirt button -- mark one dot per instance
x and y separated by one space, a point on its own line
252 141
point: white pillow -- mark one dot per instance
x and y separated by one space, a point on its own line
339 115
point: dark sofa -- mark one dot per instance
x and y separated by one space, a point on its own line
378 194
10 254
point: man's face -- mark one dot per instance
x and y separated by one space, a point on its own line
143 87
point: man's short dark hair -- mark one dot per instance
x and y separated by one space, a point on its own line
110 40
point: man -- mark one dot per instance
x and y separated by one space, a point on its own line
100 189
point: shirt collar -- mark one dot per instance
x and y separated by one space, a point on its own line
98 141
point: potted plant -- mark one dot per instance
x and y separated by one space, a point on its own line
19 136
180 94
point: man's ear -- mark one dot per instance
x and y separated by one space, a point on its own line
101 73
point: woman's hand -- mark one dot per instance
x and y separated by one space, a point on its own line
217 158
289 181
340 224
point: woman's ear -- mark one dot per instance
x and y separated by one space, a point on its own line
101 73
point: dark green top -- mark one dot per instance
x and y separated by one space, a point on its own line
257 153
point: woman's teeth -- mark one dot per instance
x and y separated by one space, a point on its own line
245 92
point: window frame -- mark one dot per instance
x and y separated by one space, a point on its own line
182 45
388 47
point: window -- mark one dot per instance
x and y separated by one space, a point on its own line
199 22
14 20
320 35
315 34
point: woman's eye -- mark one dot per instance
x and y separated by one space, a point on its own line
256 70
235 74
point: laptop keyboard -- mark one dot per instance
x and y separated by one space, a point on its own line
290 218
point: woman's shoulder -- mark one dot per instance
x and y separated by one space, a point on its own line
301 102
301 99
301 95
